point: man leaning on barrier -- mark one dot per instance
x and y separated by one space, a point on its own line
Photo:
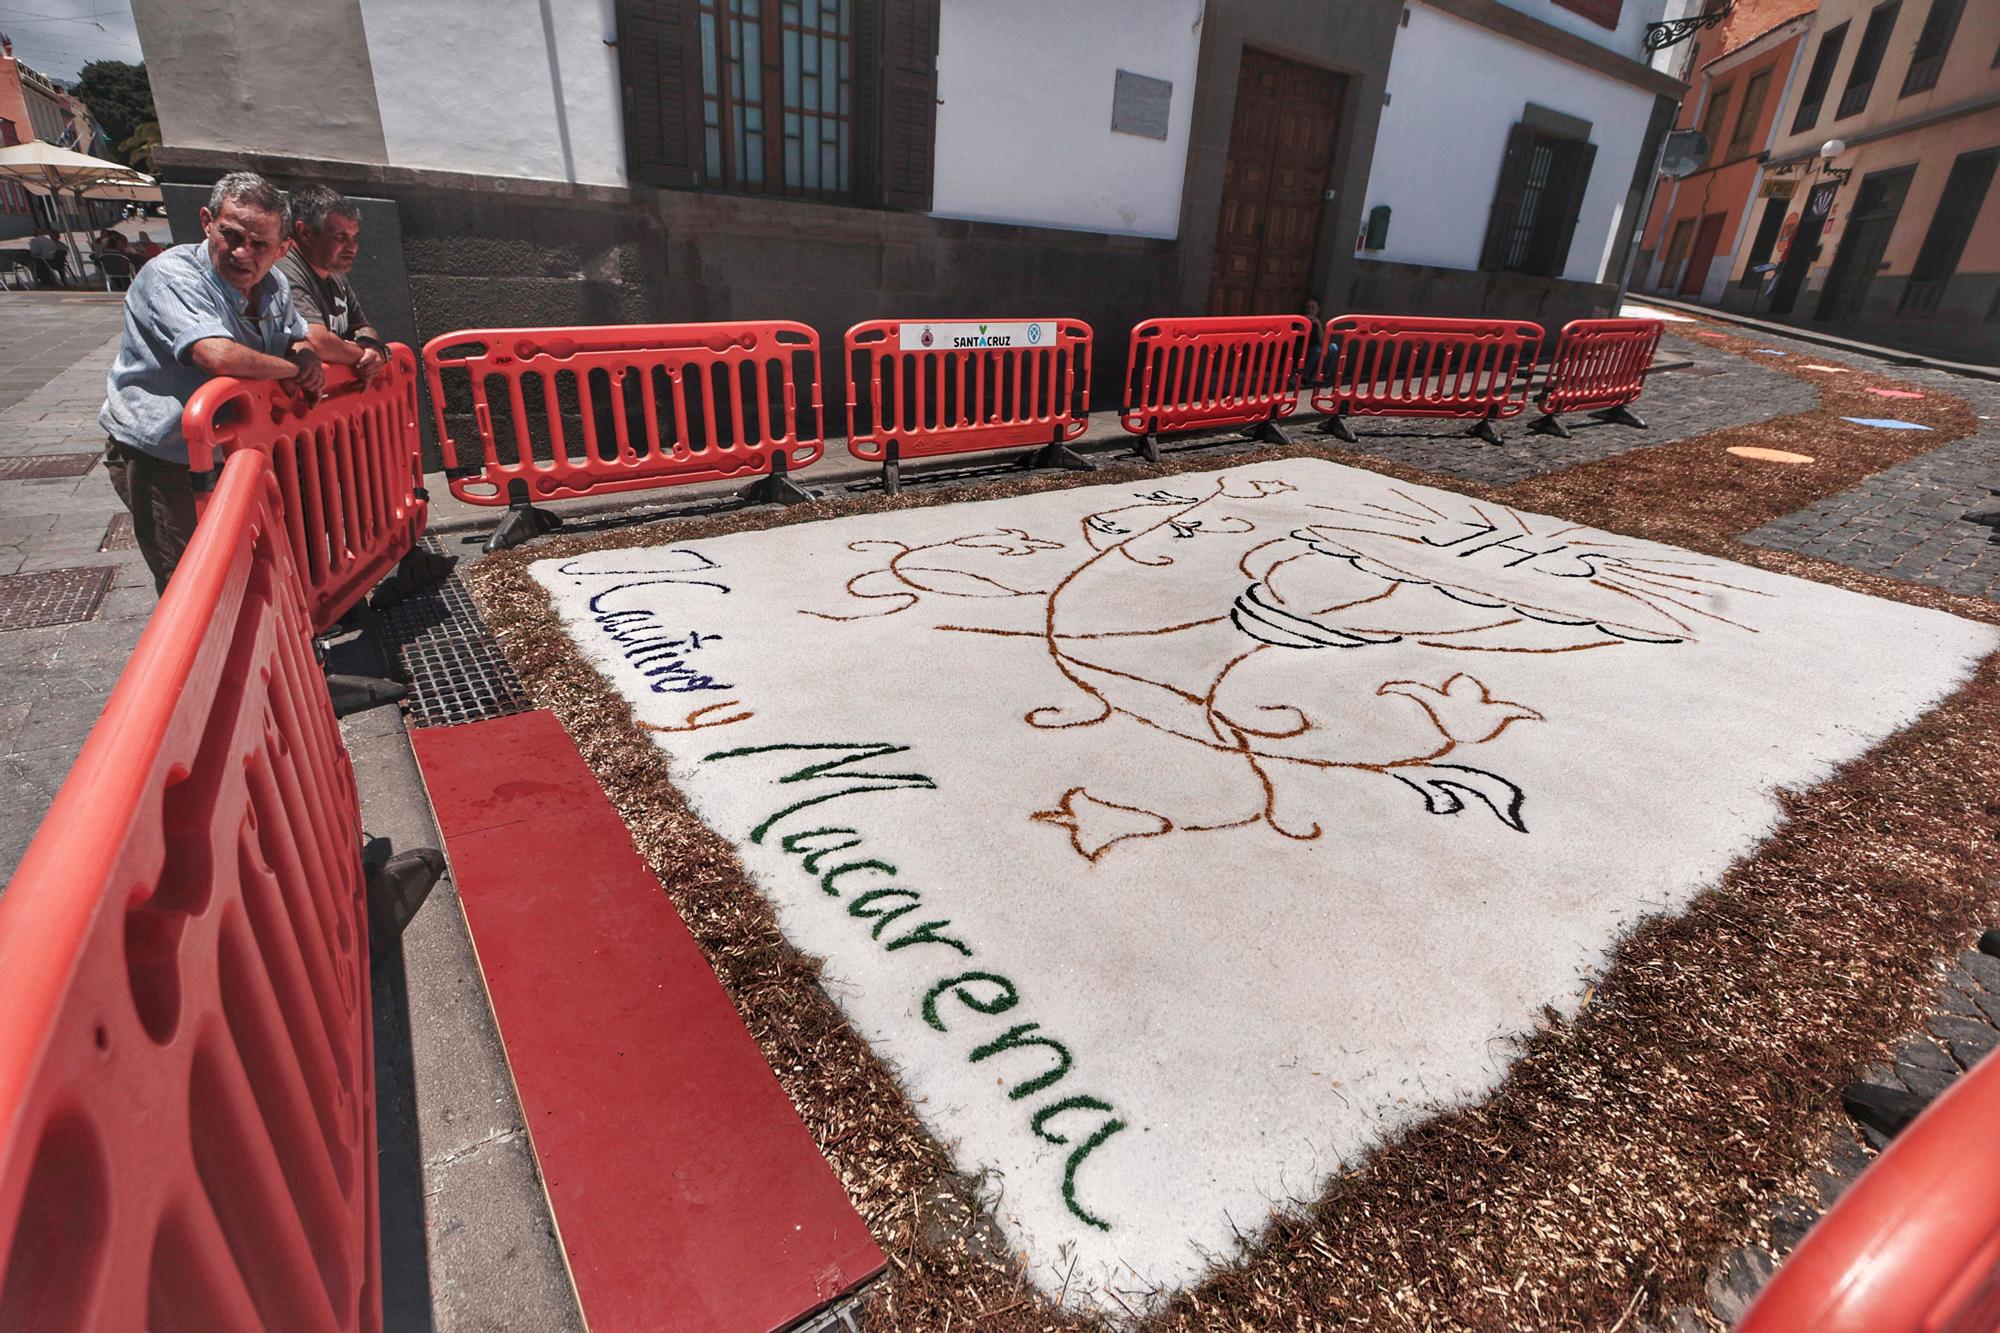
326 238
211 307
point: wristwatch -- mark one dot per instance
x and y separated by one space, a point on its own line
376 343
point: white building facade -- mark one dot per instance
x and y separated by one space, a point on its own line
1514 151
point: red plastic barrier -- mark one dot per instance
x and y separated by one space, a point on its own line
1186 374
1411 366
349 469
187 1125
921 389
567 412
1600 366
1914 1244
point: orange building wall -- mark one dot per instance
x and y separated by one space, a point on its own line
1749 20
1727 188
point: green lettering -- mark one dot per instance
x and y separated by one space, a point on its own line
854 753
796 842
828 880
927 934
1019 1038
1006 998
859 907
1081 1151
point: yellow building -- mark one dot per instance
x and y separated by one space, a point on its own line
1889 137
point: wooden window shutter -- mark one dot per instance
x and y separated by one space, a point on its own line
906 109
1507 196
659 70
1569 198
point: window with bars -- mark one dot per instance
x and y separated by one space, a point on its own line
1868 59
815 99
1820 79
1933 43
777 95
1537 202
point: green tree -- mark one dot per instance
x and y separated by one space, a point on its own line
138 149
119 96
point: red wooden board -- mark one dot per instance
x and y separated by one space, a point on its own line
686 1190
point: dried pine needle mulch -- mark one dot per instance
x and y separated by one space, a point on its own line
1626 1149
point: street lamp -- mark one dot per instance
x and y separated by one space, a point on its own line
1828 151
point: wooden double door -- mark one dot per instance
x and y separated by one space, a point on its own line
1274 187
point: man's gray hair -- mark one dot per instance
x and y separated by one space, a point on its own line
252 191
314 204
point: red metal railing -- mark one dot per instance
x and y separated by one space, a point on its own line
187 1122
1599 365
1410 366
1186 374
568 412
921 389
349 468
1914 1244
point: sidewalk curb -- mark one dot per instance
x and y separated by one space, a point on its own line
1792 331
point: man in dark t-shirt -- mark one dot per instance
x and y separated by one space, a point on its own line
326 237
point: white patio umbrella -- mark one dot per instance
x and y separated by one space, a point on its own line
47 169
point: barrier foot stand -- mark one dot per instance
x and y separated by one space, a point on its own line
1884 1110
778 488
1269 432
418 570
1549 424
1148 447
358 694
396 889
1058 454
1336 426
523 522
1485 431
892 469
1620 416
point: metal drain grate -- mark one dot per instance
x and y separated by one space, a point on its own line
52 597
118 535
30 466
455 669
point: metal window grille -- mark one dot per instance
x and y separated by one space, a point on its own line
777 95
1522 235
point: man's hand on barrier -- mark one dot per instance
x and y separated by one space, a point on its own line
371 363
309 376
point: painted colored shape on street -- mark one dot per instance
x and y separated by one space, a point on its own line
1767 351
1885 423
1831 370
1896 393
1768 455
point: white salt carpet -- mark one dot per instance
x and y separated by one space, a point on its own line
1176 842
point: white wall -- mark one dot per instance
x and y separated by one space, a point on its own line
469 85
1628 38
1455 89
1024 122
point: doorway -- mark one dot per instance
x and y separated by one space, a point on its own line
1706 238
1804 247
1859 257
1766 241
1274 187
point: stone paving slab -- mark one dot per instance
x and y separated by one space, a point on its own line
1909 521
